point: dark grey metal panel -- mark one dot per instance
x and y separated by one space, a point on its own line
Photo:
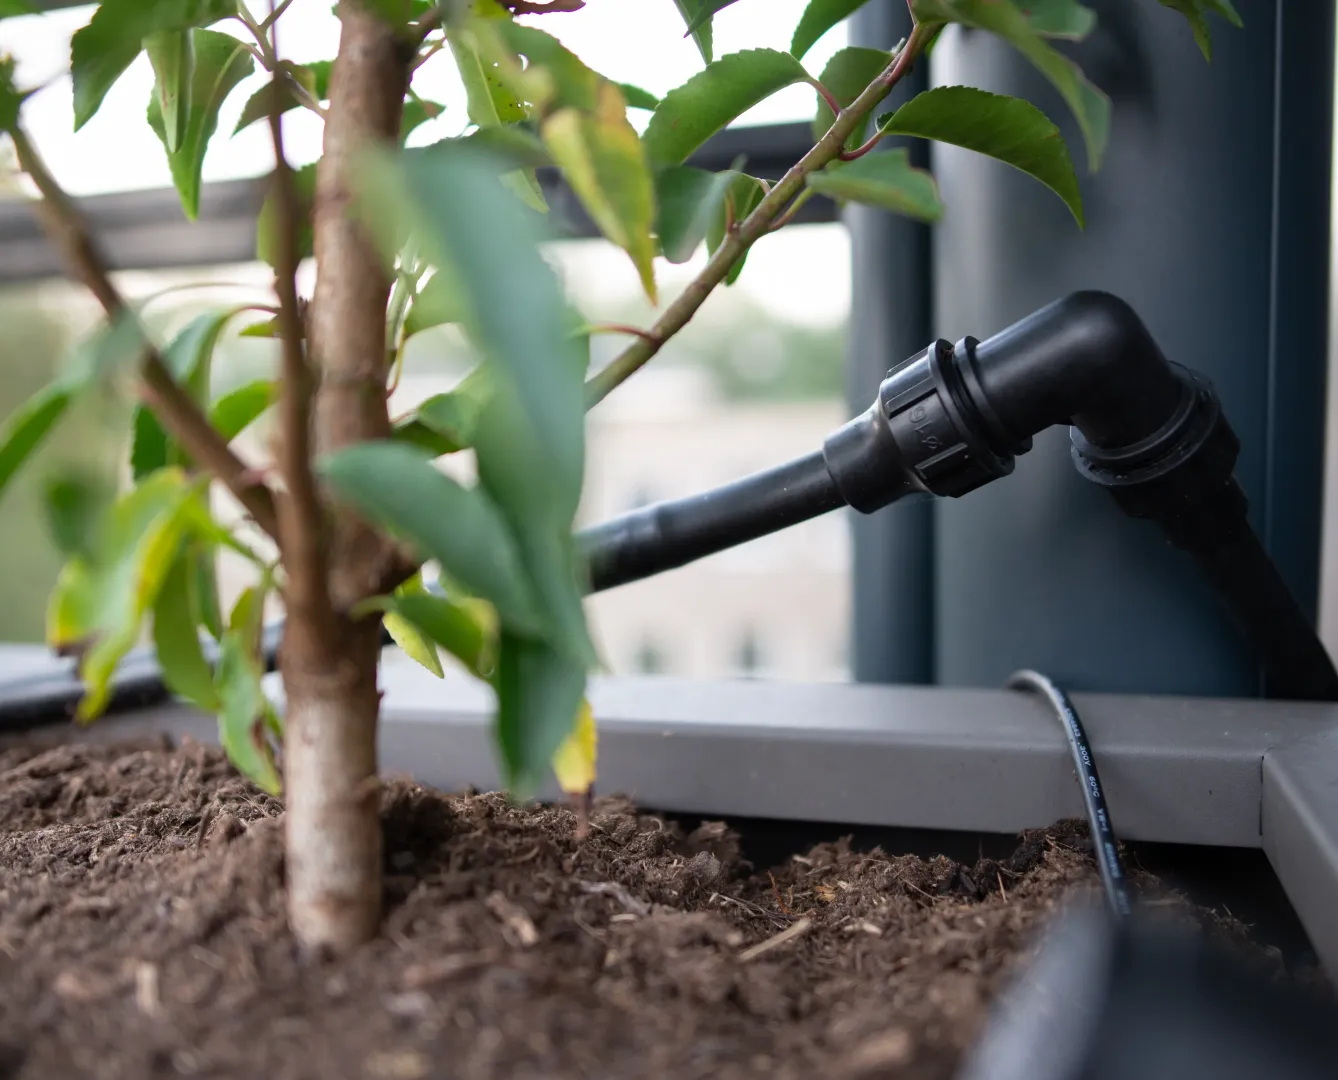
892 632
146 230
1177 770
1300 826
1217 234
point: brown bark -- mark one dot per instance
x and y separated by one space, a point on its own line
333 827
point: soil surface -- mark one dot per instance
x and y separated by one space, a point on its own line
142 935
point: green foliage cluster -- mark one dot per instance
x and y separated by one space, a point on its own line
461 224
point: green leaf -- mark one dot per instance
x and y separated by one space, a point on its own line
204 586
460 528
1065 19
1089 105
492 102
244 713
419 621
265 328
236 410
314 78
1005 128
539 691
188 359
464 629
846 76
76 502
108 594
690 9
507 144
601 158
221 62
437 304
102 50
540 510
176 637
745 193
172 54
417 112
1197 12
10 8
706 10
470 224
267 224
105 354
413 433
688 200
490 99
713 98
248 616
27 426
574 85
637 98
819 17
454 415
886 179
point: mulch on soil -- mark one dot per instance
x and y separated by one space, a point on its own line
142 934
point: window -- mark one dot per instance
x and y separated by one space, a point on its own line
754 380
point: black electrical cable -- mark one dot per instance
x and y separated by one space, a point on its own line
1104 844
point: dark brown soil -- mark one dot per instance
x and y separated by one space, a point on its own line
142 935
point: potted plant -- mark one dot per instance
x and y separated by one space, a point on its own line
353 506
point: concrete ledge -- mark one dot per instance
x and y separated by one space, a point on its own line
1181 770
1300 823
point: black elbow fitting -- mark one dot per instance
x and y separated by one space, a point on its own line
1149 431
955 417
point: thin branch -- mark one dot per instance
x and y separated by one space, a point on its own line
268 60
790 211
623 328
430 21
169 402
757 224
827 96
274 14
302 517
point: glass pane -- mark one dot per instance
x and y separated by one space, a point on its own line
753 381
638 41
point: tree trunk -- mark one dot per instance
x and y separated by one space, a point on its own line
332 794
333 824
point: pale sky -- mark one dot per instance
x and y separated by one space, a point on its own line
806 278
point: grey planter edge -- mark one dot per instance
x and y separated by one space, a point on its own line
1237 773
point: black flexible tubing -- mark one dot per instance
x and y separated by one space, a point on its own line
1104 844
670 534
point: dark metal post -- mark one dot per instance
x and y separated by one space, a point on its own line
1211 217
891 319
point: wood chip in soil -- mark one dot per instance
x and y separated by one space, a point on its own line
142 935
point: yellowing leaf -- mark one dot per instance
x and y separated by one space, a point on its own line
574 760
414 642
602 159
